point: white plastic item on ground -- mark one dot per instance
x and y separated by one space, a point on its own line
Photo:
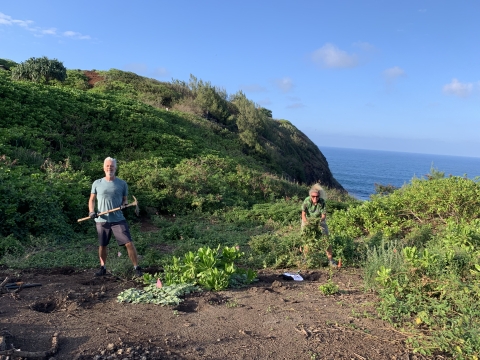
296 277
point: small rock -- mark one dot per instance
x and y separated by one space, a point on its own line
110 347
276 283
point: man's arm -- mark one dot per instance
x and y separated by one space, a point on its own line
91 203
304 216
124 201
324 211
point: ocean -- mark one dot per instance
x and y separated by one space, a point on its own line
358 170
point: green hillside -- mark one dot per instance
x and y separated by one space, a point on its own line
206 152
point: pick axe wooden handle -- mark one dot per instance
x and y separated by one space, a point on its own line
135 203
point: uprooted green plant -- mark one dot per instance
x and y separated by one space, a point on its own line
153 294
212 269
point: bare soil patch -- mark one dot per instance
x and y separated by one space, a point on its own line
272 319
93 77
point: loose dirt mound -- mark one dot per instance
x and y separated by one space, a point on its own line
273 319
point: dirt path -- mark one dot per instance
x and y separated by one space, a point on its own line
273 319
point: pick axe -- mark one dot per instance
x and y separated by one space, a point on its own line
135 203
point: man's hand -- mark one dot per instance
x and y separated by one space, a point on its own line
93 215
123 206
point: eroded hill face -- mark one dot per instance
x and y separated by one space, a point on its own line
93 77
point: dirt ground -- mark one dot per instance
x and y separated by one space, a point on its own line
272 319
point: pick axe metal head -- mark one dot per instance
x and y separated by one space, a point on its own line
137 209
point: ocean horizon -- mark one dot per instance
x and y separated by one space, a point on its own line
358 170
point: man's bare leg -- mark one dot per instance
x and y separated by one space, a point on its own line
102 254
132 253
329 253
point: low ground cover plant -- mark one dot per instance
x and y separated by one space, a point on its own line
153 294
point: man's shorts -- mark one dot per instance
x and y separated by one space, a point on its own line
119 229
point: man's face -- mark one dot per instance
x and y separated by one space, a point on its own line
109 168
314 196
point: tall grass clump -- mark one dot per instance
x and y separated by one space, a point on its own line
385 255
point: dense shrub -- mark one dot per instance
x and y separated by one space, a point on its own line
422 246
206 183
40 70
420 202
41 202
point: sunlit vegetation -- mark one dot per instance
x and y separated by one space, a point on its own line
216 171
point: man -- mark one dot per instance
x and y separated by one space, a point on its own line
314 207
111 192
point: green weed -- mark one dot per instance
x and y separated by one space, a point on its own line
329 288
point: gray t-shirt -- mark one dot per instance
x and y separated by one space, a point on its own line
110 196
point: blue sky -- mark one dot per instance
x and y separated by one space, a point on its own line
384 75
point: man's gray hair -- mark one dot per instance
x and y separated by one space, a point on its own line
112 160
319 190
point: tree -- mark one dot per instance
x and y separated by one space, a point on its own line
7 64
212 100
250 120
40 70
266 112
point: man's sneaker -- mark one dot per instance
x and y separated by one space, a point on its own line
101 272
332 263
138 271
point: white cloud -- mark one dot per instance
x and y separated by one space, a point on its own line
7 20
285 84
51 31
75 35
38 31
457 88
253 88
330 56
393 73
